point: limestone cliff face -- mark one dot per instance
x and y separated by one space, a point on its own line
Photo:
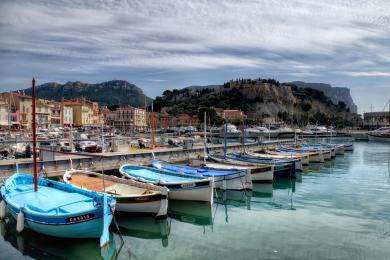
335 94
258 99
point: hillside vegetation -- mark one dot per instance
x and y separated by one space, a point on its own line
260 99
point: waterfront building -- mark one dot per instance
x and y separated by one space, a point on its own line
187 120
3 114
376 119
66 115
130 119
166 120
43 113
82 114
55 110
233 114
20 109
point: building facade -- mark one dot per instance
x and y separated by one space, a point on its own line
66 115
377 119
233 114
3 114
43 114
130 119
20 109
83 114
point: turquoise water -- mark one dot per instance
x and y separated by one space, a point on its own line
336 210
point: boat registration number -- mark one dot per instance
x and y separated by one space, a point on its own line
188 185
79 218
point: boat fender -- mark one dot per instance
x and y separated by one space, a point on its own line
2 209
20 222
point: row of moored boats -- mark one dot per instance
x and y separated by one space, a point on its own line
83 204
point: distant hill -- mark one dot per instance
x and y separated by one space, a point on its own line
335 94
114 92
259 99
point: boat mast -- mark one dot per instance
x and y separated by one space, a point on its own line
34 136
205 138
224 138
152 125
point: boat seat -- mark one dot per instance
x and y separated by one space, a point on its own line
42 204
22 188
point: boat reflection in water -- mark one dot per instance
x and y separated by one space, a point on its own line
236 198
40 246
144 227
192 212
262 190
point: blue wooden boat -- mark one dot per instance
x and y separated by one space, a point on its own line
282 168
58 209
223 179
53 208
181 186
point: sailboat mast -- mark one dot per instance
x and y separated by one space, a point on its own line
34 136
152 125
205 136
224 138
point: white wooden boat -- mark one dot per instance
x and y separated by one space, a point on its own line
223 179
131 196
181 186
304 158
298 161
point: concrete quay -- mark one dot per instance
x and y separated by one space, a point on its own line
113 160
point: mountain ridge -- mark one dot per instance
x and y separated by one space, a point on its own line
113 92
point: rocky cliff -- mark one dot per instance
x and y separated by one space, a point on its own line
259 99
335 94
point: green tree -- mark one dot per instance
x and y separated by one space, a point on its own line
211 115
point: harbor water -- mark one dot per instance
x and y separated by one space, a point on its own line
339 209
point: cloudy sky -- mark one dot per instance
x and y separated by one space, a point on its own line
175 43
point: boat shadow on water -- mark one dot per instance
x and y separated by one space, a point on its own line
144 227
39 246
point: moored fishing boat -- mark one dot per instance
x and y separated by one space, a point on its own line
298 161
131 196
328 152
223 179
57 209
349 147
304 157
315 156
53 208
259 173
375 137
181 186
281 168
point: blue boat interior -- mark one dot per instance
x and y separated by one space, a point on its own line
49 199
156 175
208 172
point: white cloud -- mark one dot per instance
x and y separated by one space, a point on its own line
367 73
336 40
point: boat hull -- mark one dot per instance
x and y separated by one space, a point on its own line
194 188
378 138
62 227
257 173
265 176
154 205
197 193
